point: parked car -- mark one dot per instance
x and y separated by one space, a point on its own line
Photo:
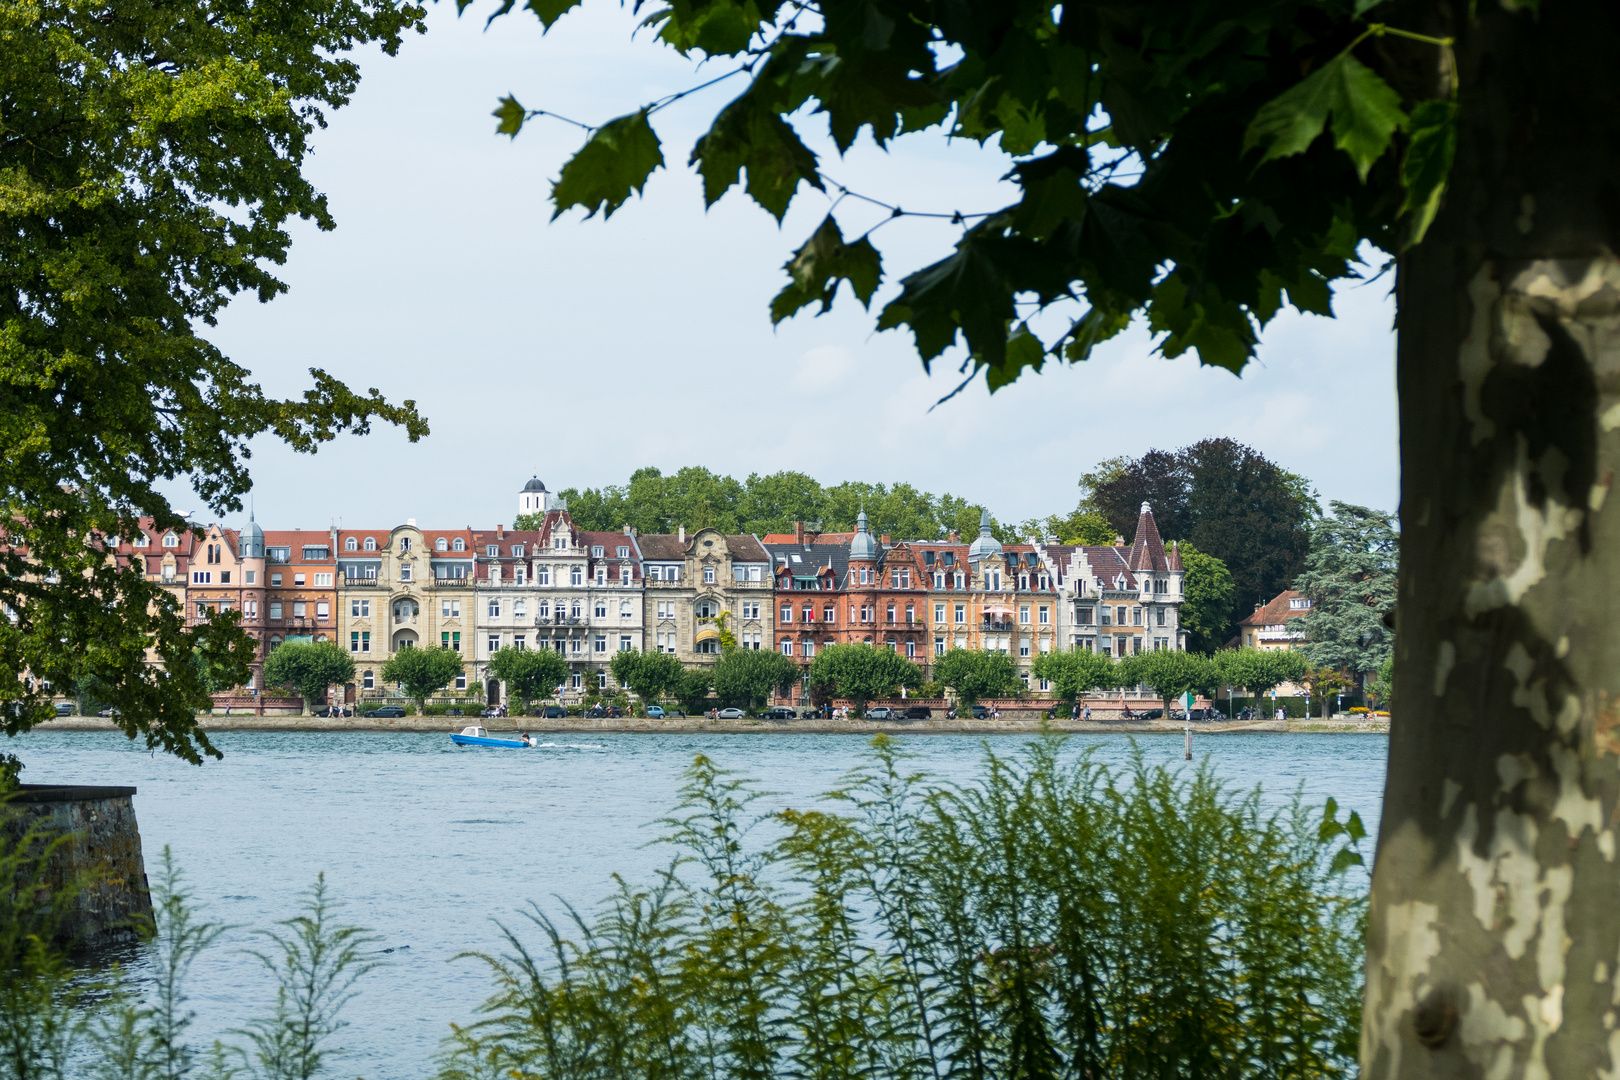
64 708
881 712
655 712
979 712
1208 714
1150 714
388 712
109 711
919 712
780 712
553 712
331 710
732 714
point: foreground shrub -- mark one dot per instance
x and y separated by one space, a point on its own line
1056 918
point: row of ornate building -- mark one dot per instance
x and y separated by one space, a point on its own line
590 594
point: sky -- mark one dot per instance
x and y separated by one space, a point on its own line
580 350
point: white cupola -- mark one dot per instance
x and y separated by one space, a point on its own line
534 498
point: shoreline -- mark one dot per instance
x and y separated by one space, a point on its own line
699 725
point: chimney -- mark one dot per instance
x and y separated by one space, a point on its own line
1119 541
884 539
683 534
956 537
500 531
627 531
798 532
411 522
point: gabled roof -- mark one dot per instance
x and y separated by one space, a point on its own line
1279 610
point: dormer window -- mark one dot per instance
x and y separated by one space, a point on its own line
559 543
492 550
371 543
458 544
171 540
140 539
624 551
517 551
1299 603
596 551
441 544
351 544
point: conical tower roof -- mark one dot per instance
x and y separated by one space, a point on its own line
862 545
1147 550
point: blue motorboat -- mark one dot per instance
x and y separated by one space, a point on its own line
477 736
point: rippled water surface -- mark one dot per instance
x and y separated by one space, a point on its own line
428 844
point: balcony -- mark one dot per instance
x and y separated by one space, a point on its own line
992 625
559 620
904 624
358 582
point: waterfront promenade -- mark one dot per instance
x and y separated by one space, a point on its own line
964 726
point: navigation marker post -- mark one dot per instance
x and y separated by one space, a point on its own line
1187 715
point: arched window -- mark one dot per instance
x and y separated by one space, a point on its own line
367 682
351 544
459 545
624 610
441 544
601 609
371 543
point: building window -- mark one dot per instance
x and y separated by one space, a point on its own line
224 577
323 581
787 647
596 551
1045 616
519 642
322 611
250 576
866 613
358 608
911 650
939 613
366 681
1023 647
1160 613
1136 616
1023 614
961 580
494 643
275 609
625 575
575 680
939 646
787 613
624 551
809 614
365 641
370 545
600 643
450 609
889 613
405 572
576 575
542 576
170 540
829 613
708 575
575 610
625 609
494 609
299 609
960 613
202 577
461 681
866 577
458 545
517 609
624 642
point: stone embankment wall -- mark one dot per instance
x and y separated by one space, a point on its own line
102 848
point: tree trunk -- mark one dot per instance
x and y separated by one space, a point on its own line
1494 941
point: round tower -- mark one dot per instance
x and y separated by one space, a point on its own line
534 498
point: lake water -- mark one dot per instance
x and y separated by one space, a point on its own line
428 844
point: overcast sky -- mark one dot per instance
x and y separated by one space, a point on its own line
581 350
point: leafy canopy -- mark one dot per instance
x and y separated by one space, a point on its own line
1200 163
151 157
746 677
1076 672
976 673
648 675
1206 607
309 669
863 672
1170 673
1350 577
1260 670
421 672
529 674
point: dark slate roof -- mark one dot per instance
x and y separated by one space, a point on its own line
1147 550
662 547
812 557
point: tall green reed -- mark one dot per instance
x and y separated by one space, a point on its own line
1055 918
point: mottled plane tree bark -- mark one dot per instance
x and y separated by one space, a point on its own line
1495 935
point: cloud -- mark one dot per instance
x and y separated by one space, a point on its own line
822 371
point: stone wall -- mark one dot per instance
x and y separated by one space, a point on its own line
103 847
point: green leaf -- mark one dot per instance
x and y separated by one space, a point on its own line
615 161
1092 329
1429 153
1366 114
511 116
969 291
549 11
1364 6
1355 828
717 27
1024 350
1218 329
749 134
818 267
1052 192
1345 859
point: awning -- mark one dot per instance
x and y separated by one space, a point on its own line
706 633
996 609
